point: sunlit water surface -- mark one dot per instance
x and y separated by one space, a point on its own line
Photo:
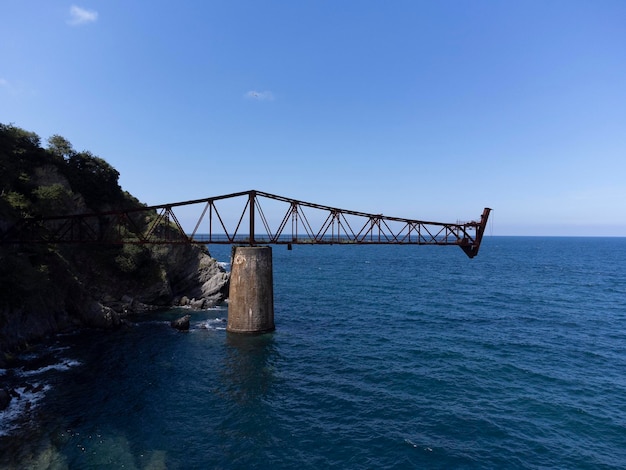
383 357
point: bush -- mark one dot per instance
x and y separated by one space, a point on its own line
53 199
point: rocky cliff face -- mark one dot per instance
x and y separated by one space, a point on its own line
87 294
46 289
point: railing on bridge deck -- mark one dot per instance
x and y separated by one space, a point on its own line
299 224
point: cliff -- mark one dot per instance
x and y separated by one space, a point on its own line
46 289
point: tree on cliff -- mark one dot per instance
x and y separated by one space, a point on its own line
89 175
60 146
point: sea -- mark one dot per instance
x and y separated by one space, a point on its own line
384 357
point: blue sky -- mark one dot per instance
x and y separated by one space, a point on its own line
420 109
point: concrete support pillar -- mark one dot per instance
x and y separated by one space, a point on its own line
251 295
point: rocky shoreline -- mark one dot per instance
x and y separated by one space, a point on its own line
51 288
88 295
192 279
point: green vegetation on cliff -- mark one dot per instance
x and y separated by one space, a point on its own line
47 288
36 180
41 182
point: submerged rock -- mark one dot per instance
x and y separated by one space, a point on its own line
181 323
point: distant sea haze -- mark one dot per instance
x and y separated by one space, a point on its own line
383 357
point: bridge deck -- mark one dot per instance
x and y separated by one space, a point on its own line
222 222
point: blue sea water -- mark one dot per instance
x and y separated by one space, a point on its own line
387 357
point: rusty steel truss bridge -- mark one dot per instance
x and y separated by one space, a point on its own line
240 218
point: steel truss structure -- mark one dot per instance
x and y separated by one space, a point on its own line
288 222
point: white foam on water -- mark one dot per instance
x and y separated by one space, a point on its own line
65 364
28 399
26 396
214 324
411 443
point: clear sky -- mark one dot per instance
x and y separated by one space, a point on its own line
422 109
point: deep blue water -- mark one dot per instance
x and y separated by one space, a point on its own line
383 357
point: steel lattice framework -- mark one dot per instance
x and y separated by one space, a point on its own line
299 224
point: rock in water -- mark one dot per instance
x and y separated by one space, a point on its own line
181 323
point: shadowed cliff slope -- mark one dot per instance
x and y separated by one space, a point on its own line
49 288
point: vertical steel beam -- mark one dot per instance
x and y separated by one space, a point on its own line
252 202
